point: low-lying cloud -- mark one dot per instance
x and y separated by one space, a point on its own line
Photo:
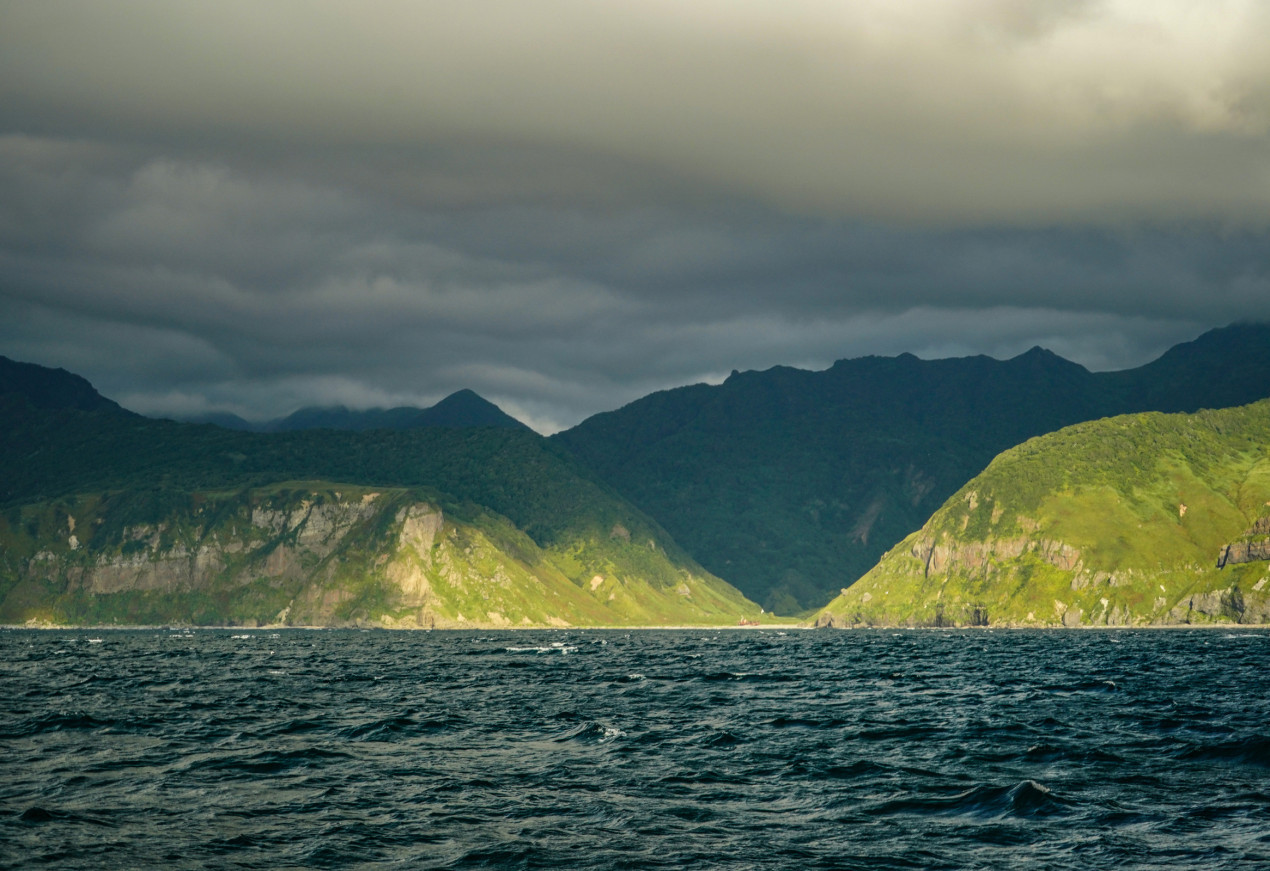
565 205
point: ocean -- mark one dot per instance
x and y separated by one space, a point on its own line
599 749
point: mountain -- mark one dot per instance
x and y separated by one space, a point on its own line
47 388
791 484
225 420
316 553
464 408
1222 368
106 516
467 408
1134 520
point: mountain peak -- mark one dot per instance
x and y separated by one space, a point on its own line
1038 354
1244 336
48 388
465 408
1223 367
1037 357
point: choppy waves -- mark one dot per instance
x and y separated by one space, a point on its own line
755 749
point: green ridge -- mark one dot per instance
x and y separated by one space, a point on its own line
791 484
147 496
318 553
1114 522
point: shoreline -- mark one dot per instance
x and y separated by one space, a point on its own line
409 629
690 627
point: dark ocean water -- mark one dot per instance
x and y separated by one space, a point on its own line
609 749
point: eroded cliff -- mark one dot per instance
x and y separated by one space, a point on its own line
1110 523
320 554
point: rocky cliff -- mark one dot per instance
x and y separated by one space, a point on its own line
791 483
111 518
1253 546
1109 523
320 554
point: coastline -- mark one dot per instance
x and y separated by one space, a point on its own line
472 628
687 627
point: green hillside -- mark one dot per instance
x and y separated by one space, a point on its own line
321 554
1119 521
156 510
791 484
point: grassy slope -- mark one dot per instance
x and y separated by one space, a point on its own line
791 484
782 480
479 571
486 479
1088 520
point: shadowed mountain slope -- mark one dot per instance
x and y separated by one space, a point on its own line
464 408
791 483
106 516
50 389
1132 520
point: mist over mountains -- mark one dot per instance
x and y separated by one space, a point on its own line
463 408
108 517
787 483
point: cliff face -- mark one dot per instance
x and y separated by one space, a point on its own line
974 556
1043 583
111 518
792 483
1253 546
1111 523
319 554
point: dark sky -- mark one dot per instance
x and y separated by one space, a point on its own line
566 204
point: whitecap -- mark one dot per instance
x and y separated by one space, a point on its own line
556 647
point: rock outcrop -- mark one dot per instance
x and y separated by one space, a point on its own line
330 555
975 556
1109 523
1253 546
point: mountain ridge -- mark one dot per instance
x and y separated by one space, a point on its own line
792 483
50 389
110 517
463 408
1134 520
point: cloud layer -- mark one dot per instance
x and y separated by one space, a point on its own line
564 205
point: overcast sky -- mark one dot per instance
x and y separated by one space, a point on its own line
566 204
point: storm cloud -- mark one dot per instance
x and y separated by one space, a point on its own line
565 205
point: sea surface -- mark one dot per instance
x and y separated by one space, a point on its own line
645 749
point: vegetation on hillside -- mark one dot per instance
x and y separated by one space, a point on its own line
484 479
1116 521
791 484
318 553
